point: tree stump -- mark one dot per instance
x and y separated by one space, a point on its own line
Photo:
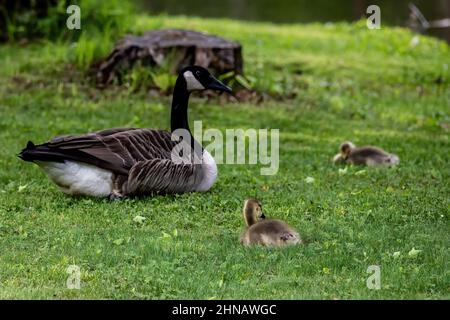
182 47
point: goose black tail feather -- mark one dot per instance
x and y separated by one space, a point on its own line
41 153
27 153
44 152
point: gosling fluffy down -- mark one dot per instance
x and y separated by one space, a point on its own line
266 232
367 155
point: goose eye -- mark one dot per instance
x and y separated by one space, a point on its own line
197 73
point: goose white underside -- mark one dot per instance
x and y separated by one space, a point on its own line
77 178
209 168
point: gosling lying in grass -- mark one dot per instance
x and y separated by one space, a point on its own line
270 233
368 155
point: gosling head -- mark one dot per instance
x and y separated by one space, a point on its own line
344 152
253 211
346 148
198 78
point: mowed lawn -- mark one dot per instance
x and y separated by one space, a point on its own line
345 82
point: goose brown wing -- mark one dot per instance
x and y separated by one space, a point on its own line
163 175
117 149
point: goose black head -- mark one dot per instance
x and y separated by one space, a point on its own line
198 78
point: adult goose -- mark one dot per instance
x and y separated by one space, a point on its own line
128 161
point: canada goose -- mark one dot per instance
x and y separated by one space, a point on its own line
126 161
368 155
266 232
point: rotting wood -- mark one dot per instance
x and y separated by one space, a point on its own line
183 47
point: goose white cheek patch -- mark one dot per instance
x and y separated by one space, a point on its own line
192 82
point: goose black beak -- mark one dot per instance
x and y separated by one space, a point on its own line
218 85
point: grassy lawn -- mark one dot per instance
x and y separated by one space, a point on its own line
350 83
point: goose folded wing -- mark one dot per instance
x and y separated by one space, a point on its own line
117 150
163 175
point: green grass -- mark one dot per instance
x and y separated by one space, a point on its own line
350 83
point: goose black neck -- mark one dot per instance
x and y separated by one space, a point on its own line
180 100
179 117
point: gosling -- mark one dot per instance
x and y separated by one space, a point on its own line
270 233
368 155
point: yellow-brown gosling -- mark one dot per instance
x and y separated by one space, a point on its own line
266 232
367 155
